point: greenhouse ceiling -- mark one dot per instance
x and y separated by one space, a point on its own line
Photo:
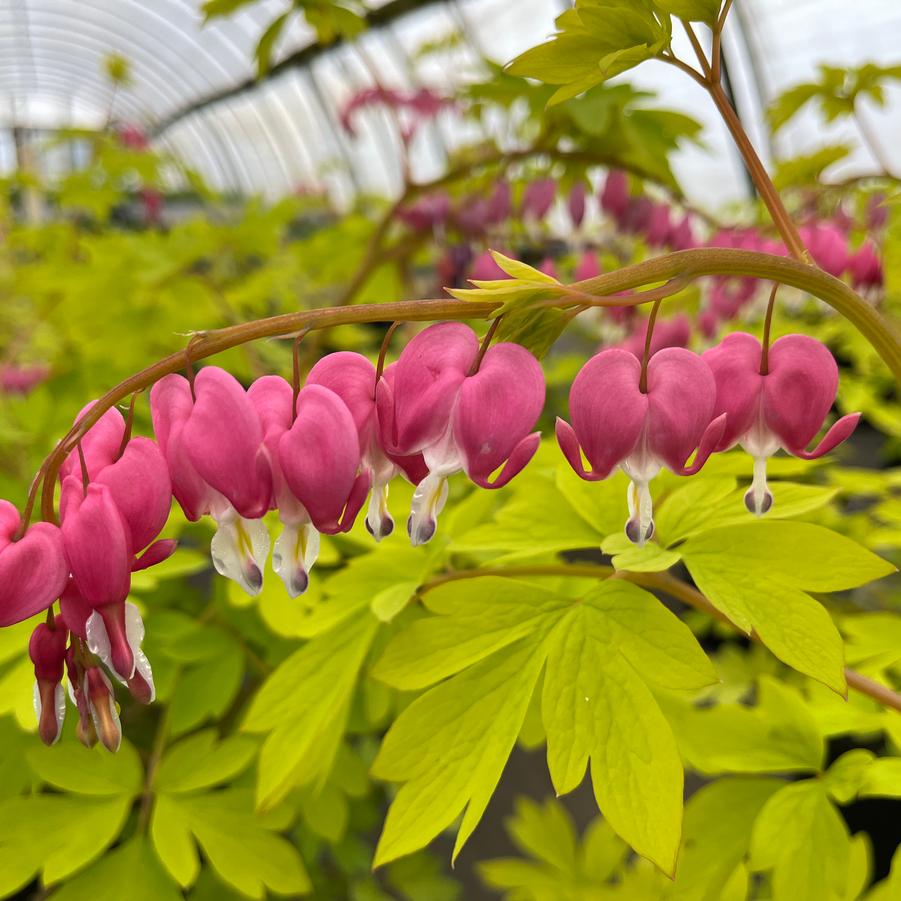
194 88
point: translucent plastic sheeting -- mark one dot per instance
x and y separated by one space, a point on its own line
284 133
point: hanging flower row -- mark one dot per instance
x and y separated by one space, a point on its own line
315 453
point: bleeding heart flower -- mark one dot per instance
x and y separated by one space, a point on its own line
659 226
589 266
538 197
47 650
785 407
828 246
500 204
136 475
672 332
352 377
434 404
33 568
576 203
865 268
681 235
615 194
315 460
615 423
485 269
214 449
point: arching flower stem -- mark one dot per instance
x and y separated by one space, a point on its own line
684 264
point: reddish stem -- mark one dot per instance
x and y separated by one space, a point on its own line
767 323
483 349
652 320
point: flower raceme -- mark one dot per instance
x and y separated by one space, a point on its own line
315 453
618 421
780 405
460 413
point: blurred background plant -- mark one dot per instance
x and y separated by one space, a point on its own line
252 773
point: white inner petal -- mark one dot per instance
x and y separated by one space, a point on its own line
239 550
429 499
378 519
294 554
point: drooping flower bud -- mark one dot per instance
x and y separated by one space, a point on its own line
33 568
865 268
828 246
672 332
102 705
485 269
615 423
576 203
538 197
500 204
47 650
589 266
615 194
433 403
785 407
659 226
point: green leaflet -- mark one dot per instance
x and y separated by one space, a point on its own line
449 747
242 847
778 735
718 823
303 707
203 761
755 573
560 865
882 778
130 871
37 836
595 41
691 10
73 768
801 837
596 705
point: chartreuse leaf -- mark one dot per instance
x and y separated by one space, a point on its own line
525 285
241 846
450 746
538 519
596 706
691 10
55 835
882 778
801 837
777 735
627 556
203 761
466 630
755 573
558 865
599 652
717 834
74 768
130 871
595 41
890 887
303 707
845 778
